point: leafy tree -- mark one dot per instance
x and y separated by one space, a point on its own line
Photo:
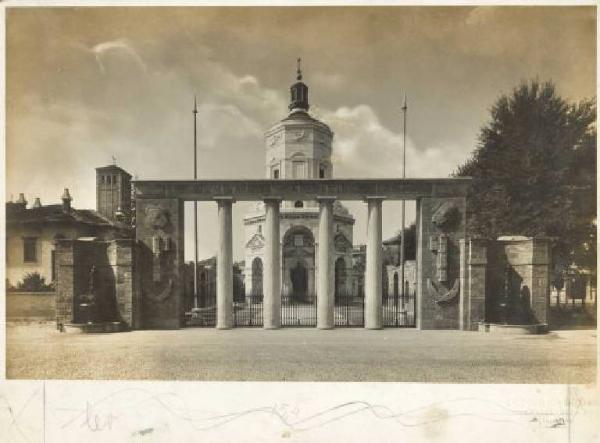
391 253
534 172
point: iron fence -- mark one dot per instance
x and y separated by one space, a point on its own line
204 316
248 314
399 310
349 310
298 313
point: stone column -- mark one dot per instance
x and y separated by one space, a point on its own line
326 275
373 283
224 265
272 267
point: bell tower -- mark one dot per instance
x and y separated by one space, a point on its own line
299 146
113 193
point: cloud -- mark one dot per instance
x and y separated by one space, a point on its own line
364 147
100 50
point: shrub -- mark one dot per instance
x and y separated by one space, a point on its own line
34 282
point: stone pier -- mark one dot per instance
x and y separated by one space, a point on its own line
326 282
224 265
373 274
272 266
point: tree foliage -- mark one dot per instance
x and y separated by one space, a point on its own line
391 254
534 172
34 282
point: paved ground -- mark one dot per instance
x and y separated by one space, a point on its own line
38 351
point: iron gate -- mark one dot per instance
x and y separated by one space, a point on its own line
348 310
298 312
399 310
248 313
205 315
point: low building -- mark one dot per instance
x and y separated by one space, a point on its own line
31 234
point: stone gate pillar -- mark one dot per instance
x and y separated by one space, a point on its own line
373 273
272 267
326 282
441 224
159 233
224 265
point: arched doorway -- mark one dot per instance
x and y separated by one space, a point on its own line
340 280
257 280
299 278
298 301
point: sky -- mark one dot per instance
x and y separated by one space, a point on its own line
86 84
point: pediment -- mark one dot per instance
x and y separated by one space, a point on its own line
256 242
342 243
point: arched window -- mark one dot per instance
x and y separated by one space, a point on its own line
340 281
257 279
321 171
298 204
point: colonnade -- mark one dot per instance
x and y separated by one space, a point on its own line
325 259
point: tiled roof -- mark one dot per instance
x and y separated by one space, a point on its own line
302 115
395 240
56 214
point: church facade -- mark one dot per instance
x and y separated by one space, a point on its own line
299 147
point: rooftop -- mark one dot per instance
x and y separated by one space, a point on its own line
57 214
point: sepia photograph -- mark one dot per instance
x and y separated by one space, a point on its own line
394 193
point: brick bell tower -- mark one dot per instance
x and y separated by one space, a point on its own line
113 193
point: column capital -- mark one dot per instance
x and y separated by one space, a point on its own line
224 198
325 198
272 198
374 197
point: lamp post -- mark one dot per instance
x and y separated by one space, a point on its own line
196 304
404 109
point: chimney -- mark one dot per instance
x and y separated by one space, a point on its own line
37 203
66 200
18 206
22 201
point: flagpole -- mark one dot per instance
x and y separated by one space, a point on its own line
196 304
404 110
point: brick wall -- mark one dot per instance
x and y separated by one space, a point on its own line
526 263
112 283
